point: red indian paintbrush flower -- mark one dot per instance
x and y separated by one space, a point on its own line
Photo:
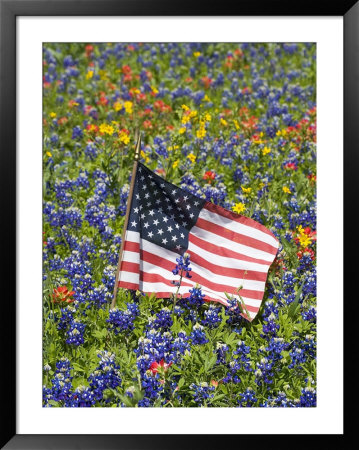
155 366
62 295
209 175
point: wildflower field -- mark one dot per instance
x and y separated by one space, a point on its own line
234 124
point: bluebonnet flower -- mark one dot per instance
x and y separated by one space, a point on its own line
144 403
91 151
106 375
108 277
178 311
129 391
77 133
75 333
61 384
310 282
232 376
280 401
66 317
247 398
308 397
270 326
308 344
99 296
82 398
298 356
221 352
182 265
152 385
198 335
233 311
163 319
152 347
180 346
211 317
121 321
270 308
202 393
196 297
275 348
243 351
310 315
264 373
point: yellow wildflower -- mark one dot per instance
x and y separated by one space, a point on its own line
182 130
185 119
238 207
223 122
266 150
107 129
278 133
196 54
128 107
185 107
118 106
304 238
146 158
286 190
236 124
52 115
193 114
175 164
154 90
207 117
89 75
124 138
201 132
49 154
246 190
206 98
191 157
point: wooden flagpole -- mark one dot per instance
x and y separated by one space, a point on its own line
128 209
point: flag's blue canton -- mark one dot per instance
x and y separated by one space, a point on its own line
161 212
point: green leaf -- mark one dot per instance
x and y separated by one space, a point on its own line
53 403
294 307
77 367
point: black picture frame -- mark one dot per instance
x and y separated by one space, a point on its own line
9 10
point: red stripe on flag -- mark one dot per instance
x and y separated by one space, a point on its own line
127 285
132 246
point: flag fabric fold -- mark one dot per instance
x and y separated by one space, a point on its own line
226 250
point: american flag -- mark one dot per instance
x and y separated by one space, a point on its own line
226 250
